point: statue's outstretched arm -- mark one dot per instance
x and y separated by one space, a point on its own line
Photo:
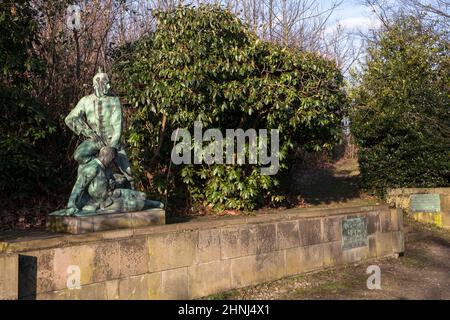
76 121
75 117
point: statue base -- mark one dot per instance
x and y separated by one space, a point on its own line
105 221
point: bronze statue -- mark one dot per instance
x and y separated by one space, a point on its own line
98 117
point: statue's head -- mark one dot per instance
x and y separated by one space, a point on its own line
106 155
101 84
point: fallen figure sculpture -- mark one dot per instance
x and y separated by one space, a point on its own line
97 191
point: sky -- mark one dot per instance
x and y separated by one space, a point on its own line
352 15
354 18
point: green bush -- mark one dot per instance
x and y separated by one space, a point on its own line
401 112
203 64
23 123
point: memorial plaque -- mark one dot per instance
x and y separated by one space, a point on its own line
354 233
429 202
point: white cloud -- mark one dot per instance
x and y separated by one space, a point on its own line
359 22
354 23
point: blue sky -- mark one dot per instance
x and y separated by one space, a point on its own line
352 14
353 17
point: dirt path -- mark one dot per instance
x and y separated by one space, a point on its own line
330 185
422 273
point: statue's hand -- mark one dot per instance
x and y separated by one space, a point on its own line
116 193
72 211
71 208
88 133
115 145
98 140
112 184
131 182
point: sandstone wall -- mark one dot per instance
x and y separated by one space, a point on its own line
401 198
193 259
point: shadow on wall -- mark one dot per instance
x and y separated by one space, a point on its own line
27 277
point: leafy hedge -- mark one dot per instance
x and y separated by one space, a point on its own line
203 64
23 123
401 114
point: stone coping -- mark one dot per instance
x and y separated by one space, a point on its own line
44 240
106 221
408 191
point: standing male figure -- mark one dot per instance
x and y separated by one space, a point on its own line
98 117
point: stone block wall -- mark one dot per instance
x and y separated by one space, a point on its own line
196 259
9 281
401 198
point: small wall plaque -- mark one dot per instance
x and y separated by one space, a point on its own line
354 233
430 202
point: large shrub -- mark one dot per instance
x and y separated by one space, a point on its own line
203 64
22 120
401 111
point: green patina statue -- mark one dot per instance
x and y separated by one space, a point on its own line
98 117
98 191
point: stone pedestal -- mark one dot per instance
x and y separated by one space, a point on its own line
102 222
